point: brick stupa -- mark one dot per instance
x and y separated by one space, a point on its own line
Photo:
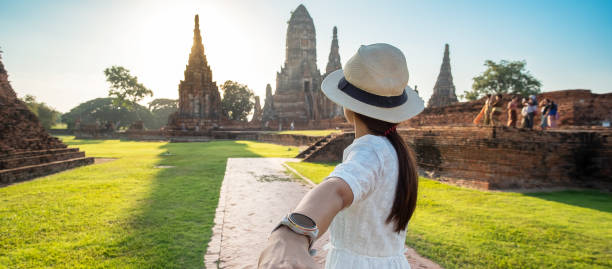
26 149
199 98
444 90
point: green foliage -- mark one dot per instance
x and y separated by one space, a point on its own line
503 77
465 228
125 213
46 114
103 110
125 89
238 100
161 109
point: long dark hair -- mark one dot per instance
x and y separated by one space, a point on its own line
407 182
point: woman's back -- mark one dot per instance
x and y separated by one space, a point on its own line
360 235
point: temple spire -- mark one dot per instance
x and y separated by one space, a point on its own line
444 90
333 62
197 49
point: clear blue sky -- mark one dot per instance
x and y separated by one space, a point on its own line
57 50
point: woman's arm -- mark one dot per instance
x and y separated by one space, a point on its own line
286 249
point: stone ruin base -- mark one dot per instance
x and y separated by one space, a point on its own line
500 158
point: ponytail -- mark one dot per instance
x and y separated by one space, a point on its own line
405 200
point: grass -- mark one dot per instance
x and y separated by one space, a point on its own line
465 228
310 132
59 126
124 213
316 172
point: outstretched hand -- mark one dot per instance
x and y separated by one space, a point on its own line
286 249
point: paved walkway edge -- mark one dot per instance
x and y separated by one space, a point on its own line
213 251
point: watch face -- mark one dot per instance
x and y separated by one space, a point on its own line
302 220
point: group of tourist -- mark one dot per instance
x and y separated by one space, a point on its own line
493 108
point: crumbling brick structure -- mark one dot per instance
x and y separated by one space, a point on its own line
498 158
576 108
26 149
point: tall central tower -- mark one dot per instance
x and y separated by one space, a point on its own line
297 84
199 98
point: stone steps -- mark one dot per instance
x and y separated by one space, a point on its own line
8 176
16 162
315 146
24 154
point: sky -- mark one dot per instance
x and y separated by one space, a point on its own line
57 50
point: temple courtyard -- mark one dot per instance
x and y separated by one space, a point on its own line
153 205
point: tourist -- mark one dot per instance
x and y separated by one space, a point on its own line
524 113
487 110
496 108
532 109
482 110
553 114
544 109
512 112
372 194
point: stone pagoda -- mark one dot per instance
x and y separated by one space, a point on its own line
268 109
297 83
444 90
26 149
257 111
199 98
330 109
298 97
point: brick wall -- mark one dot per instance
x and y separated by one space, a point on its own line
510 158
576 108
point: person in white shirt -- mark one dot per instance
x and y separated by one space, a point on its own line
367 201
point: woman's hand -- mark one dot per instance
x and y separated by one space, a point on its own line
286 249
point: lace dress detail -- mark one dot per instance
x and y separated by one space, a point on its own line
359 236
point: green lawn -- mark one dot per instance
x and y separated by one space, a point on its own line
465 228
310 132
124 213
316 172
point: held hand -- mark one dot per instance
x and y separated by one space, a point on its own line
286 249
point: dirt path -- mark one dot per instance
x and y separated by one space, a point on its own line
255 194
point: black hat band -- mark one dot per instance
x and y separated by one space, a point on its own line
371 99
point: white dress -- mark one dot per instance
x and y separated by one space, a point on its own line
359 236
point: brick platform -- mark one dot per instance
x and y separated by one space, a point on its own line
26 148
500 158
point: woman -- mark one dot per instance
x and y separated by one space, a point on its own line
496 108
544 109
552 114
371 195
512 112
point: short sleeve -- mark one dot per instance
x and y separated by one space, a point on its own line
359 169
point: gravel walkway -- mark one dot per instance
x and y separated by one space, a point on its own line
255 194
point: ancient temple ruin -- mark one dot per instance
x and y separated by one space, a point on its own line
26 149
298 97
444 90
199 98
331 109
257 111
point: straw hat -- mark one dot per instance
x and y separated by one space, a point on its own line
374 83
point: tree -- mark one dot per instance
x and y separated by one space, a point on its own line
46 115
238 100
503 77
125 89
103 110
161 109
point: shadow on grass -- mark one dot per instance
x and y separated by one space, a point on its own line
172 230
592 199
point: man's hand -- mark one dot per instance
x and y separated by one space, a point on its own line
286 249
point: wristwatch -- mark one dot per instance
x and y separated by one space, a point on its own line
301 224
